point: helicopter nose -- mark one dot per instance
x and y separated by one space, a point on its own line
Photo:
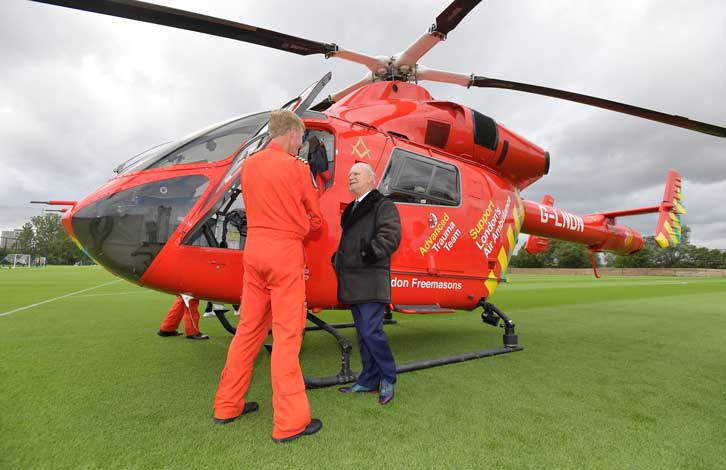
125 231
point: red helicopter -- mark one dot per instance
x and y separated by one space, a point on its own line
174 220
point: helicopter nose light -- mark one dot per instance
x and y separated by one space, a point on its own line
125 231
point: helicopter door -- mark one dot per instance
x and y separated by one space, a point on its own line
229 184
216 241
302 103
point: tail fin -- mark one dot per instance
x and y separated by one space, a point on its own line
668 231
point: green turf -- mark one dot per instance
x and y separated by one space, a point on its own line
617 373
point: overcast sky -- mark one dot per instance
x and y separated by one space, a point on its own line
81 92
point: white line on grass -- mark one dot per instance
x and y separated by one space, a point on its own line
128 292
55 298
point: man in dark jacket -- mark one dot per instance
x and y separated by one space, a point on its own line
371 233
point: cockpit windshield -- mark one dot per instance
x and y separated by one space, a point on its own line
219 141
211 144
215 145
141 161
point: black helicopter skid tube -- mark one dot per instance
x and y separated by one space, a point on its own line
223 320
340 326
231 329
489 313
442 361
339 379
345 375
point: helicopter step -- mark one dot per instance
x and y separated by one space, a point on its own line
490 315
421 309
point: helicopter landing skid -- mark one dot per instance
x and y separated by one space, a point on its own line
346 374
489 313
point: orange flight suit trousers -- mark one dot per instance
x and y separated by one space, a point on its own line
179 310
273 295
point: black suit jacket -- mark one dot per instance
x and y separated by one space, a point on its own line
371 234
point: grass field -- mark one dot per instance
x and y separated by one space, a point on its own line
616 373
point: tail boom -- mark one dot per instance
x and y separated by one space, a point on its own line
599 232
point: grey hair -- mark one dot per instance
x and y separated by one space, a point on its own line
367 168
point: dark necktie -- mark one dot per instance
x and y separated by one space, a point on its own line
355 204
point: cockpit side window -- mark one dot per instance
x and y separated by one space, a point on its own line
417 179
216 144
226 228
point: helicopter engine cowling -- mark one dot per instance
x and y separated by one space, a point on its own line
515 158
407 110
507 153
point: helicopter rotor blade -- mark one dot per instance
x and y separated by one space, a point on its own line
445 23
166 16
673 120
424 73
453 14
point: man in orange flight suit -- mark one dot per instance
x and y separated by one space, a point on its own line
282 209
191 319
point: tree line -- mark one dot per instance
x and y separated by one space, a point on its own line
45 236
571 255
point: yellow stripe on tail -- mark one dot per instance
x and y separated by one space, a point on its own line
668 231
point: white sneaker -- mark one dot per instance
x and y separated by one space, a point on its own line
236 312
208 314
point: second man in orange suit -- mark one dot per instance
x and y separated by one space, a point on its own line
282 209
179 310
